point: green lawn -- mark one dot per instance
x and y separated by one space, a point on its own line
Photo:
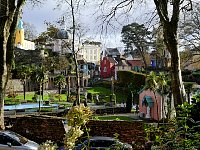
45 97
29 98
126 118
104 91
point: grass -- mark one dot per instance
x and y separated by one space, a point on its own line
104 91
126 118
63 97
30 96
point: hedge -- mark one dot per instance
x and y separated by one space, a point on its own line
136 79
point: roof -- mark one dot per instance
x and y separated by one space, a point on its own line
112 60
196 73
122 63
136 62
112 51
147 100
20 24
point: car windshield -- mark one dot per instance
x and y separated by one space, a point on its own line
17 137
101 143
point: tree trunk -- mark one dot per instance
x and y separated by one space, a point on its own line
3 76
40 98
24 89
5 23
75 56
170 27
176 77
42 90
9 11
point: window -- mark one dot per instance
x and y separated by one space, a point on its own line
5 140
104 69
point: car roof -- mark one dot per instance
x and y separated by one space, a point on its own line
102 138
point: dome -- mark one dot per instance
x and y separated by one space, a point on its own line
62 34
20 24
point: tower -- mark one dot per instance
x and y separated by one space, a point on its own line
19 39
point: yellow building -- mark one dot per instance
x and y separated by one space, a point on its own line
20 42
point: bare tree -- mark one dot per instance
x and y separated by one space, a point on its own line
168 12
74 9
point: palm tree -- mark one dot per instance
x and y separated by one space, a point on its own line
152 85
24 73
60 81
40 76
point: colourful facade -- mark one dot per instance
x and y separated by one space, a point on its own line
107 67
148 105
20 41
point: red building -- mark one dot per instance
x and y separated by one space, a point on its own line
107 67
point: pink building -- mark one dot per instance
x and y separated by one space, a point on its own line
148 105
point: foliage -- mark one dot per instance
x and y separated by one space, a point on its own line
60 63
177 134
136 36
48 145
77 117
24 71
195 113
137 80
47 35
60 81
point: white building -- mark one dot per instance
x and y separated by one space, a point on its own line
91 52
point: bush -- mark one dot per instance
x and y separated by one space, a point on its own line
90 96
12 95
34 98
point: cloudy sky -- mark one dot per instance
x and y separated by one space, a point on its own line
87 18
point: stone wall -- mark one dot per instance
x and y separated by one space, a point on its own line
129 131
14 85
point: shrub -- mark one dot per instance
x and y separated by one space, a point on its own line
90 96
34 98
77 117
12 95
48 145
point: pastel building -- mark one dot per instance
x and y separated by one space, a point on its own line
91 52
20 42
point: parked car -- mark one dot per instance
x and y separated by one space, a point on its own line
12 141
103 143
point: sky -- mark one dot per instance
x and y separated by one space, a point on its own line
87 18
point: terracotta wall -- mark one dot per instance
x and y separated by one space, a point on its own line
129 131
42 128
